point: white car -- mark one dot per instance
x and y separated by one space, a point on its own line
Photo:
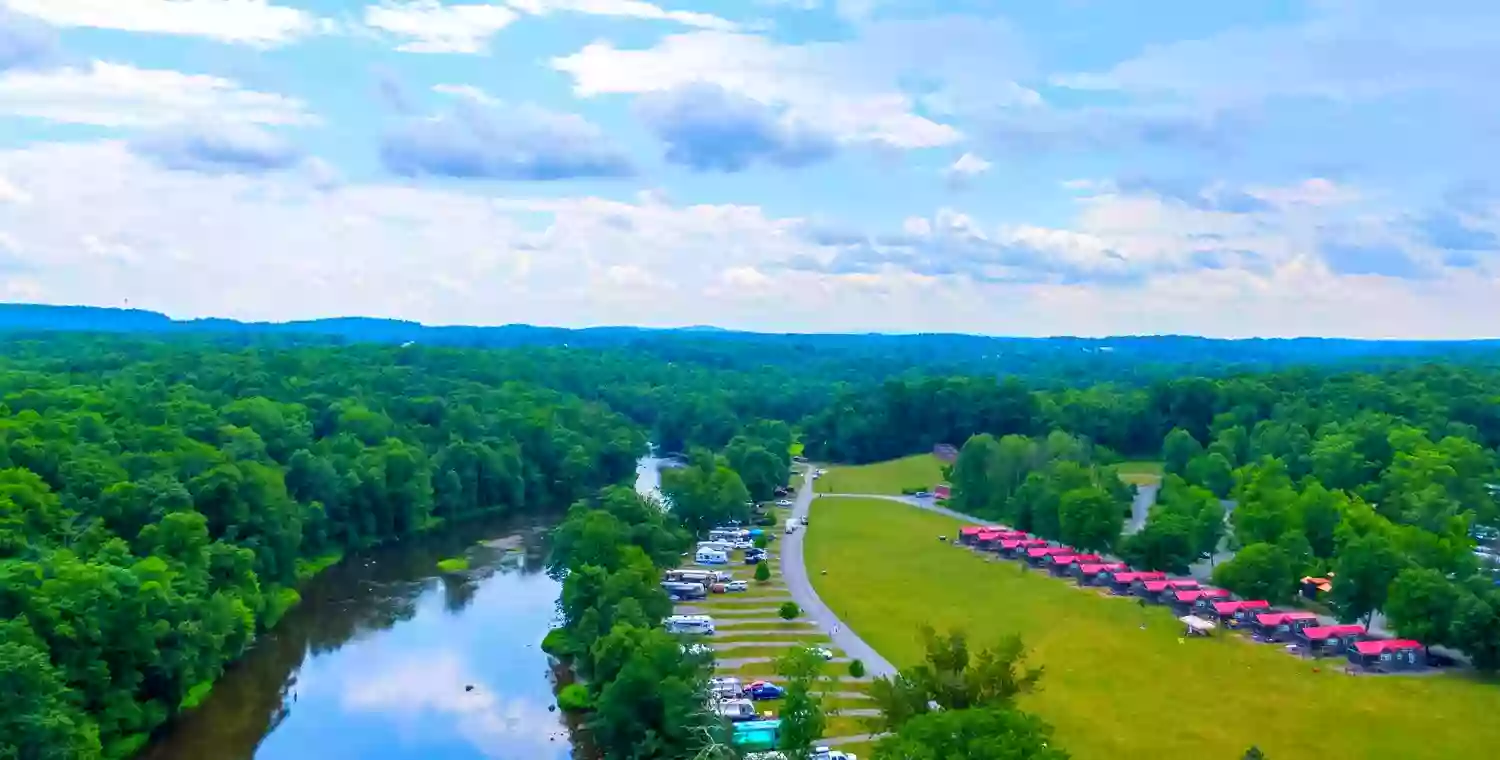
743 545
823 652
804 519
738 586
791 528
784 503
697 649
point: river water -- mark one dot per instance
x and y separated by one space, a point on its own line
388 659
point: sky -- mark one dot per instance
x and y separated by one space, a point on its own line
1010 167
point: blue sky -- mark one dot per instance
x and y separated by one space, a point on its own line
1290 167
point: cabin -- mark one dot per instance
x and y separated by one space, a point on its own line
1389 655
1062 564
1124 583
1199 600
1162 591
942 491
1281 626
1038 556
1312 588
1095 573
1321 640
1017 547
967 536
1240 613
988 540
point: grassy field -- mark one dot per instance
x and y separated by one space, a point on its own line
1113 689
1140 473
921 472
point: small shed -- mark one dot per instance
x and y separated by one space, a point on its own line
942 491
1312 588
1389 655
1236 614
1282 626
1062 564
1095 573
1163 591
1038 556
1194 601
1124 583
1329 639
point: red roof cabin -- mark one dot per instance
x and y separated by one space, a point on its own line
1195 601
988 539
1062 564
1389 654
1321 640
1282 626
942 491
1240 613
1095 573
1124 583
1162 591
967 536
1036 557
1017 548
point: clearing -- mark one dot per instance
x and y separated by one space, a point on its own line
1113 689
914 473
1140 473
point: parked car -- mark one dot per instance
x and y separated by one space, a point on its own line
791 528
754 559
744 545
784 503
719 588
764 690
922 494
804 519
737 586
823 652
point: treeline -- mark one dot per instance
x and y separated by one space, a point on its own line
1058 487
159 503
643 691
907 415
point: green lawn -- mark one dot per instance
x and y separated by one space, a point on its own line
1114 690
1140 473
920 472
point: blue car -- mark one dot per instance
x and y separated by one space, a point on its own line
763 690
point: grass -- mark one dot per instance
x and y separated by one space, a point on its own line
734 653
920 472
858 749
1114 690
787 639
453 564
1140 473
845 725
307 568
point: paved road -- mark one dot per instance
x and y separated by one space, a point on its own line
795 573
1140 508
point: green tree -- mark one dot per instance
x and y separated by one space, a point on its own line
1212 471
1090 519
952 678
762 571
789 611
1165 543
1177 450
1258 571
1421 605
1365 570
803 715
981 733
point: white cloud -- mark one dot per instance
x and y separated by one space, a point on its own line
281 246
432 26
117 95
622 8
967 166
250 22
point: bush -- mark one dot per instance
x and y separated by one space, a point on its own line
454 565
856 669
762 541
574 698
790 610
557 643
763 571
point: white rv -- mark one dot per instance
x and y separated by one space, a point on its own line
698 624
723 546
711 557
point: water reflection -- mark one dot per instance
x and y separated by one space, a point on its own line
387 659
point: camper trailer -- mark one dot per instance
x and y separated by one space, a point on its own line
694 624
711 557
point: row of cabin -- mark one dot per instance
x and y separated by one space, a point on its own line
1187 597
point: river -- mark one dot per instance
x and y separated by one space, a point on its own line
388 659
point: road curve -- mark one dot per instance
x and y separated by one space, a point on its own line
794 571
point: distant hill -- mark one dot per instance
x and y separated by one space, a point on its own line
1055 357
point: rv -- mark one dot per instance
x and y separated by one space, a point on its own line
684 591
703 577
711 557
699 624
737 710
728 534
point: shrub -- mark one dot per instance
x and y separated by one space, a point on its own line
557 643
454 565
790 610
856 669
762 571
574 698
762 541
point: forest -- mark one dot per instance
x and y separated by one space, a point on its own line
161 496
